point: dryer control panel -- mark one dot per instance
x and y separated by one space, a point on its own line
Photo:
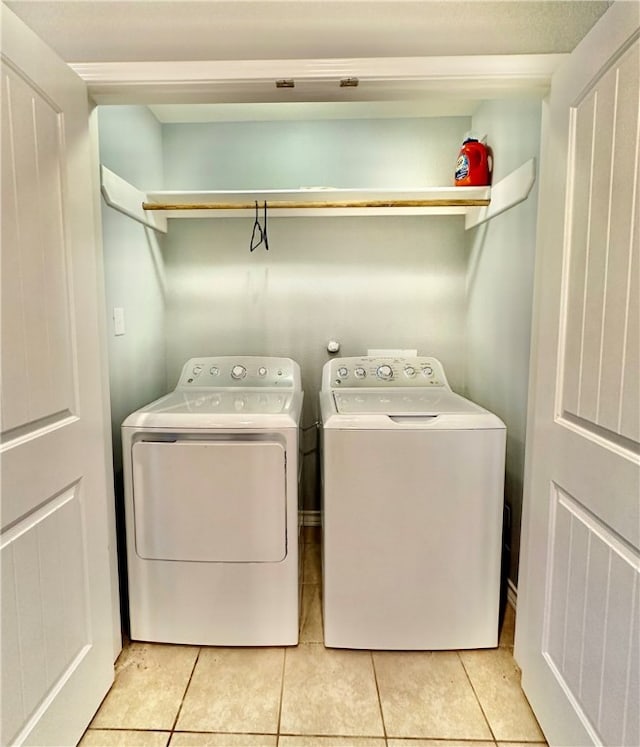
243 371
368 371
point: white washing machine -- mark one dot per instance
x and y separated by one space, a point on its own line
211 503
413 479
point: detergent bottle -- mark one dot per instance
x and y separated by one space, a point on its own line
473 168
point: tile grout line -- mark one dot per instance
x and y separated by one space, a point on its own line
375 679
337 736
127 728
184 694
453 740
284 663
484 715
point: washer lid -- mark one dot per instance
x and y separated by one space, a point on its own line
403 402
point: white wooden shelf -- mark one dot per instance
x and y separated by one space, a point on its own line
477 204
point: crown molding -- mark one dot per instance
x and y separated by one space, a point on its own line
379 77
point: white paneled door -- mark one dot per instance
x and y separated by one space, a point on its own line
578 632
57 625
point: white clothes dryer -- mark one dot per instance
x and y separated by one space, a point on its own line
413 479
211 506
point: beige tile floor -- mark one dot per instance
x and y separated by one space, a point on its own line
310 696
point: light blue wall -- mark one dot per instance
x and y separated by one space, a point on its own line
499 295
130 140
336 153
370 282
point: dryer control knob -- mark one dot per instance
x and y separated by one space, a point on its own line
384 372
360 373
238 372
343 372
409 371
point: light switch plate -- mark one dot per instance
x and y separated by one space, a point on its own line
118 321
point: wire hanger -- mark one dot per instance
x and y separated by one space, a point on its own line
259 233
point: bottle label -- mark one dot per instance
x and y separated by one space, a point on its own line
462 167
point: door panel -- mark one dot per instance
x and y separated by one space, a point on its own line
57 640
578 590
37 376
589 623
45 556
620 351
601 309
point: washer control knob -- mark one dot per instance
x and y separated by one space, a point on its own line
262 371
409 371
238 372
360 373
384 372
427 370
214 371
343 372
197 369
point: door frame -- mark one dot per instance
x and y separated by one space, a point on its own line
103 326
204 82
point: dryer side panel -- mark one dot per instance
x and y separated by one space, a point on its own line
210 501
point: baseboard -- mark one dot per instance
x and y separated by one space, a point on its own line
512 594
310 518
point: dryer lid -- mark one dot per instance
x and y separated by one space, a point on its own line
403 402
223 402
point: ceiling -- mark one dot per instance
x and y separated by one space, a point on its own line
152 30
103 31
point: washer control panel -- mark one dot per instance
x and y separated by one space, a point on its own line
239 371
419 371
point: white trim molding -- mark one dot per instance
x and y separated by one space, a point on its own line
392 78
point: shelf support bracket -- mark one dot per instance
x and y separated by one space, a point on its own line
510 191
125 198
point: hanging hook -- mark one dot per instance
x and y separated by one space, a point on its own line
264 228
256 235
259 233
